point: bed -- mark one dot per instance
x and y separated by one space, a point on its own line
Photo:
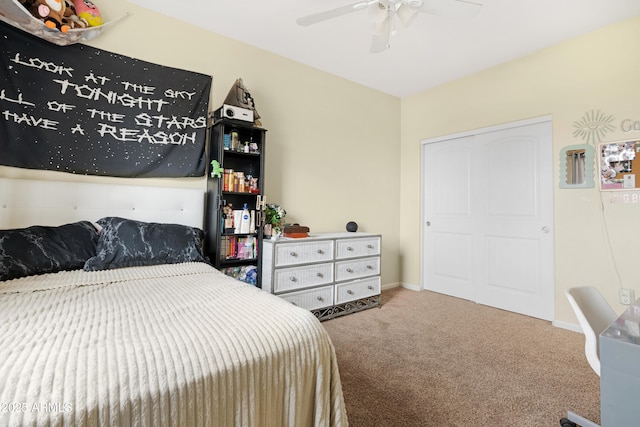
144 331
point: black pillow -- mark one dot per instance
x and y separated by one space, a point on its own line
41 249
128 243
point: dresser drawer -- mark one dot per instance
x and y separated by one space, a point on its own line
357 289
311 299
351 248
303 252
287 279
348 270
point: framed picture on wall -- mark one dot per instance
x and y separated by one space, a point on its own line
619 164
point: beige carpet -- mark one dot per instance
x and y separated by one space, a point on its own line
426 359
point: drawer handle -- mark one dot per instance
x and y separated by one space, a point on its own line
350 292
320 275
349 248
370 246
370 267
293 279
320 299
370 287
320 251
293 254
349 270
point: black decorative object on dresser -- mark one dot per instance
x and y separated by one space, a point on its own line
234 204
329 274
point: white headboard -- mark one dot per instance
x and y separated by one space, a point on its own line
26 202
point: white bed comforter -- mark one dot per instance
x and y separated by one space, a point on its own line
172 345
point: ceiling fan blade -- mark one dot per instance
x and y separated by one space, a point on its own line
406 15
314 18
450 8
380 37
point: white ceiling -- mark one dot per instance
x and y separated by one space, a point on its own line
431 51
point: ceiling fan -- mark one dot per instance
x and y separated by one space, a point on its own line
384 12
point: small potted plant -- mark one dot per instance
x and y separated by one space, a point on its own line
274 216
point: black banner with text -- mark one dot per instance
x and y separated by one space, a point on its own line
83 110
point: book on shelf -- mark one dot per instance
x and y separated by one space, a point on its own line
238 247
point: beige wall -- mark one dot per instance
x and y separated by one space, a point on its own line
598 71
332 145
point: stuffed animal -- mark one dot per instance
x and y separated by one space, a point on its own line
53 13
73 19
88 11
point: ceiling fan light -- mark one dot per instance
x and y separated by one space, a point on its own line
414 3
379 28
378 14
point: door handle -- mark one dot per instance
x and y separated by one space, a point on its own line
546 230
428 223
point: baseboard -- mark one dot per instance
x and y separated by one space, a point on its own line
400 285
565 325
390 286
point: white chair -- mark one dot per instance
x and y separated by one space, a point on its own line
594 316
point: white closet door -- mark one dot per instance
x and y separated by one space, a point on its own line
488 218
449 210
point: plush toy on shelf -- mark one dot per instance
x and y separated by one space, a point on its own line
73 19
88 11
53 13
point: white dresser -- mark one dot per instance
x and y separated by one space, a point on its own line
330 274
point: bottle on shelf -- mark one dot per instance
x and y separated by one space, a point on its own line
248 248
235 143
245 220
252 223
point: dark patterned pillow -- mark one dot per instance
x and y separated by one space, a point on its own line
41 249
128 243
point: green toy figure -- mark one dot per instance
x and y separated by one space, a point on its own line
216 169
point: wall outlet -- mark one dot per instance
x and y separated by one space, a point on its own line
627 296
